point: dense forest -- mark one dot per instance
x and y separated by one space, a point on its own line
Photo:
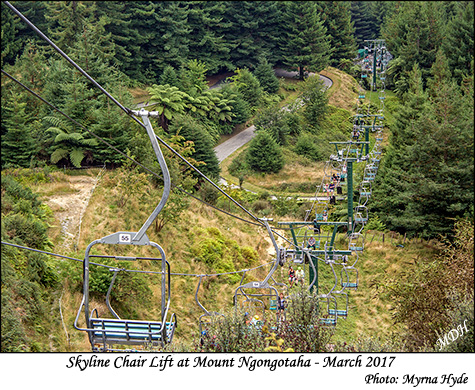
169 51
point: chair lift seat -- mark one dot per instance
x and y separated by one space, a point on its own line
273 304
341 313
111 330
349 284
328 321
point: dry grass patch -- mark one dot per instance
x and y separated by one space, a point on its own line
139 94
293 175
344 91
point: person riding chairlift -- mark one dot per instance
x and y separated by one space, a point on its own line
325 215
291 276
356 133
281 304
312 243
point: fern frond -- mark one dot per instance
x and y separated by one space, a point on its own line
58 154
76 156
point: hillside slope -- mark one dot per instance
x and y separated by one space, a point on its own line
203 244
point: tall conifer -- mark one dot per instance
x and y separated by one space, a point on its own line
306 45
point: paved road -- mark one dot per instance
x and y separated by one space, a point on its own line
234 143
289 75
228 147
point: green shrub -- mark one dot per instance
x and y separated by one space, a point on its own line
306 146
461 317
264 155
300 331
230 334
283 205
221 254
374 223
30 231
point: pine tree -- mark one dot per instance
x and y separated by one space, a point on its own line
241 33
427 174
137 38
192 130
264 155
266 76
66 19
169 76
337 20
16 33
458 42
315 100
249 87
208 39
267 34
172 35
18 146
364 22
192 77
306 44
414 33
118 27
94 51
11 45
239 107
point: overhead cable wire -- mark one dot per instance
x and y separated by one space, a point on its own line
128 111
131 159
35 29
131 270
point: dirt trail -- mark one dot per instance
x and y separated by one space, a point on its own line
69 208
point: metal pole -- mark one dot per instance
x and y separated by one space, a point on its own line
166 176
350 194
374 67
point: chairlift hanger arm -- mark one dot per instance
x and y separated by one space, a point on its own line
166 174
196 296
108 303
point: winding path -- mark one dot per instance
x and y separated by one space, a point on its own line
228 147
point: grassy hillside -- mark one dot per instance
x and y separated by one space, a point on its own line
203 242
199 229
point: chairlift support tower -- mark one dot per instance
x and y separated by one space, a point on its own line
377 47
360 156
313 254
